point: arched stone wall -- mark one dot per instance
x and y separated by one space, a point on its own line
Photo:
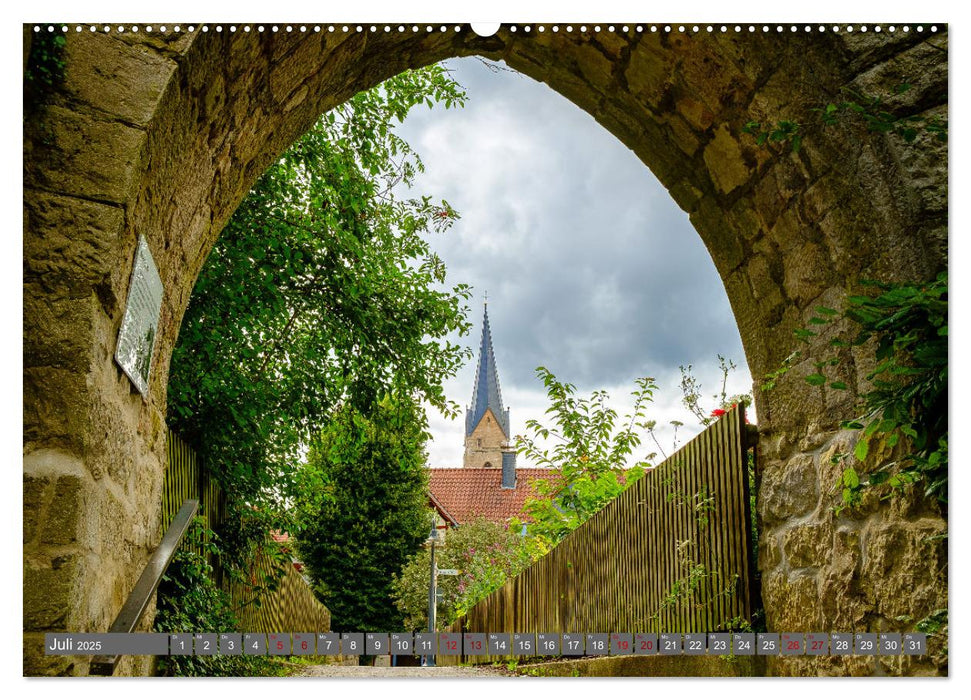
163 134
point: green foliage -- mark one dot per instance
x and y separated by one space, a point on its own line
45 63
591 455
933 624
873 110
907 404
775 132
486 554
322 291
189 601
698 587
364 511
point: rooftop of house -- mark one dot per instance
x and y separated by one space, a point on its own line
466 493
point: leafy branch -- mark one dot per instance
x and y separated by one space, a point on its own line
872 109
907 403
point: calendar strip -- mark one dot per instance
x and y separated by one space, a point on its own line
472 644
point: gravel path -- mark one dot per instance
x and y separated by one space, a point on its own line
336 671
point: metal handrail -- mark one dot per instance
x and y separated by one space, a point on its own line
141 595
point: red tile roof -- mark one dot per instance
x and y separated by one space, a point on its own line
467 493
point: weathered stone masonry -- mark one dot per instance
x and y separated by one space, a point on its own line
162 135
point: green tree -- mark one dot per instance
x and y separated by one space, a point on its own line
365 510
321 291
486 555
591 454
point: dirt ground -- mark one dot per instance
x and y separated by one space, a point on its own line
336 671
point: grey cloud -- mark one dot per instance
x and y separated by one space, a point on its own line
590 266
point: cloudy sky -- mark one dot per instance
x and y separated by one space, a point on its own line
590 267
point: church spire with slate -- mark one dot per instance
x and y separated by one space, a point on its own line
487 420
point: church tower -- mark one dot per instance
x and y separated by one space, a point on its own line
487 438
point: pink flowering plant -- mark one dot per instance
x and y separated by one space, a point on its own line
484 552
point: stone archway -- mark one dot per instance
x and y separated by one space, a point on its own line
161 134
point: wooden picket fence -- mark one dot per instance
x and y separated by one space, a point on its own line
292 606
185 478
672 553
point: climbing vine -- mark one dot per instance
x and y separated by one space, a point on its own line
872 110
907 402
189 601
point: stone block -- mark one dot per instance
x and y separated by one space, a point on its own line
92 157
815 437
58 331
613 44
707 74
904 567
697 114
71 242
37 663
36 491
289 72
168 43
807 272
683 135
843 604
115 77
686 195
51 593
746 220
789 231
51 419
650 73
832 457
808 546
774 445
768 201
819 198
727 167
764 286
922 67
789 176
64 513
594 65
770 554
728 251
792 603
789 489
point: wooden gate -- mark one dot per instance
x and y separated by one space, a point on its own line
672 553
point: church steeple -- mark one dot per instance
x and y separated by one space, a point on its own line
486 394
487 438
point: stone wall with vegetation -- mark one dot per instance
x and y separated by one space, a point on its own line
161 134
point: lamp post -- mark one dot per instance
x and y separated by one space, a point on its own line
432 540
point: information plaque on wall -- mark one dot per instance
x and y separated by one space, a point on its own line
136 339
